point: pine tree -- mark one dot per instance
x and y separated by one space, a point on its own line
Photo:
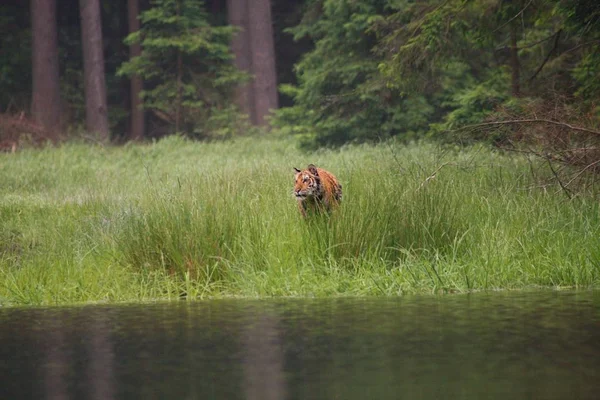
186 66
338 97
384 68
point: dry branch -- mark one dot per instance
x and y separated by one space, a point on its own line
554 48
432 175
513 18
531 121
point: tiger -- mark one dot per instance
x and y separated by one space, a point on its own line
316 190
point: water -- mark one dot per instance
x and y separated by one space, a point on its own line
542 345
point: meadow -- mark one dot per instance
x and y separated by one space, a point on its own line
180 219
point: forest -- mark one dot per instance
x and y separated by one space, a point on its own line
327 71
148 146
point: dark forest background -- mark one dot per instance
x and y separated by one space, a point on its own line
327 71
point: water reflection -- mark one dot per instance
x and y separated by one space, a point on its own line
536 345
101 360
263 360
55 366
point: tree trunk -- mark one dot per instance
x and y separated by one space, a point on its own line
514 61
45 99
137 127
96 118
262 48
178 101
215 7
237 14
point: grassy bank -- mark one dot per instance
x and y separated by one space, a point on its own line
144 222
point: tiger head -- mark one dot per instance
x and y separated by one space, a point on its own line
308 183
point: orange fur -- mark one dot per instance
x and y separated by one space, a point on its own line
316 189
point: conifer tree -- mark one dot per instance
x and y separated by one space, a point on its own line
383 68
186 67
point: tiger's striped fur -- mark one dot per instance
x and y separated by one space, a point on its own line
316 189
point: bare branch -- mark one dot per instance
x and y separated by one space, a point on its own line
432 176
582 171
563 187
556 38
513 18
526 46
580 45
531 121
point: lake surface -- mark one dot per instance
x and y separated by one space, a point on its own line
541 345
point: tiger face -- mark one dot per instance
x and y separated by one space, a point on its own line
308 183
316 189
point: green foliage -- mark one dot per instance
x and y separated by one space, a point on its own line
384 68
460 52
337 98
475 102
583 20
587 74
186 65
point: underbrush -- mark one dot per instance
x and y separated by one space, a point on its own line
180 219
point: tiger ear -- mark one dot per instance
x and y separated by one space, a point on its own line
312 169
297 170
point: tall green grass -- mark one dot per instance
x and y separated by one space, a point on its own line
180 219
